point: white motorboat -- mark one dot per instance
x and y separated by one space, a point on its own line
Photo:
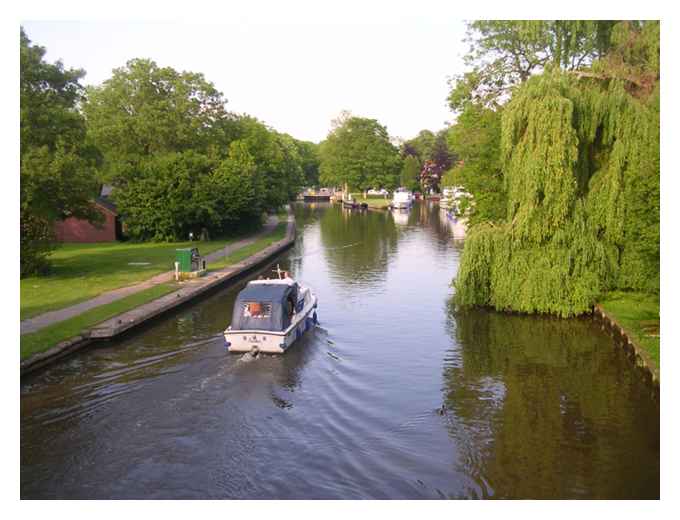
447 199
402 199
454 199
269 315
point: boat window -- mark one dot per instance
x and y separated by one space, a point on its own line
257 309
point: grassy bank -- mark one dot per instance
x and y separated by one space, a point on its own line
277 234
49 336
373 201
83 271
638 314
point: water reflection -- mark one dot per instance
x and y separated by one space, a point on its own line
529 407
357 247
548 408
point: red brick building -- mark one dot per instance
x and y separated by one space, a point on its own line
76 230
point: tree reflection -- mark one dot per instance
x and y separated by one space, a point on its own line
548 408
358 245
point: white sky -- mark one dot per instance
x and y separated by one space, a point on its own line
295 78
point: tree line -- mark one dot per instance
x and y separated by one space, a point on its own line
178 161
558 134
359 153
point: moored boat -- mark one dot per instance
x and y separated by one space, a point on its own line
402 199
269 315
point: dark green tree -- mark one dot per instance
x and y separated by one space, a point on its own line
277 161
309 161
56 163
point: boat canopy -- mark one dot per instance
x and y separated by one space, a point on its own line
265 306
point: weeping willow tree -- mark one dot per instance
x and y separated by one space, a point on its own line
580 158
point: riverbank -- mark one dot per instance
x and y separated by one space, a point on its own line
373 201
106 322
634 317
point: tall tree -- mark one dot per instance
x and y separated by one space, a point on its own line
504 53
410 173
580 152
476 137
145 110
277 161
57 165
358 152
309 157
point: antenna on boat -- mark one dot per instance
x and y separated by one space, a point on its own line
278 271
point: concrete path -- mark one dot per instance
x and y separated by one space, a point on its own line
38 322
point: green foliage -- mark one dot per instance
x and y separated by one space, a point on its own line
56 163
580 155
358 152
37 242
144 110
174 194
234 189
476 137
309 162
434 155
421 146
409 173
504 53
179 162
277 162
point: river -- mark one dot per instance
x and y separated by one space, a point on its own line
395 395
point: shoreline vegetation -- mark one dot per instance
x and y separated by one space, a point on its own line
373 201
47 337
562 160
637 314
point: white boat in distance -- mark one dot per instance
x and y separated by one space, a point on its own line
269 315
402 199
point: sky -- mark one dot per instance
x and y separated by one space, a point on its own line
294 77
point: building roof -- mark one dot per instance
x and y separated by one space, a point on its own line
106 203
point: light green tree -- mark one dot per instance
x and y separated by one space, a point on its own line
358 153
409 173
476 137
580 157
145 110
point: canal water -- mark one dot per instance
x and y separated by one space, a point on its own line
395 395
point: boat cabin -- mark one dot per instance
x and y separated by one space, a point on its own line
265 305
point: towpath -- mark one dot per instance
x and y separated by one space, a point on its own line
49 318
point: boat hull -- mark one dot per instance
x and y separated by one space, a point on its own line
272 342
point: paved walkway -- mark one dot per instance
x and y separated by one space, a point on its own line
49 318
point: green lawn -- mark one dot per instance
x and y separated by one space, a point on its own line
83 271
277 234
378 203
373 201
49 336
638 314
